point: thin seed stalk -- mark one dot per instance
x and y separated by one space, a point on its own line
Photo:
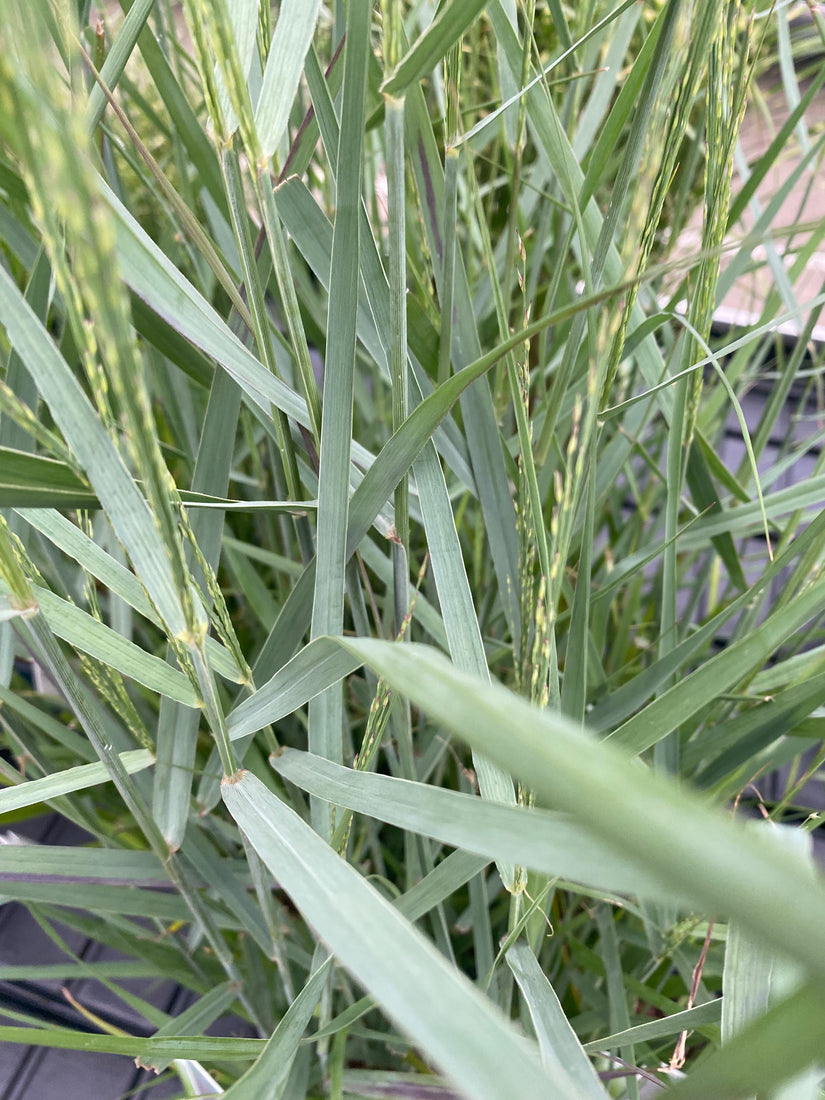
212 707
394 129
289 299
377 720
518 154
255 293
677 121
448 263
452 90
728 80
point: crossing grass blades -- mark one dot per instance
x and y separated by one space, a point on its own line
376 594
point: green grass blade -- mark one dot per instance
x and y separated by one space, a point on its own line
107 866
673 833
719 675
785 1040
481 429
176 740
325 720
194 1020
561 1050
198 149
267 1078
438 1008
319 665
290 42
35 481
150 274
203 1048
117 59
452 20
91 636
510 834
457 611
708 1013
126 507
80 778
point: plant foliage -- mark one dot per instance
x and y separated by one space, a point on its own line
377 588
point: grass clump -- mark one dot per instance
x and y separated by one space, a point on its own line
365 448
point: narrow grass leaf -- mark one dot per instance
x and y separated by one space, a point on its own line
480 424
267 1078
129 900
457 610
673 833
35 481
114 575
194 1020
203 1048
80 778
107 866
152 276
440 1010
290 42
560 1048
716 676
326 713
319 665
677 1022
452 20
117 59
787 1039
126 507
89 635
514 835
